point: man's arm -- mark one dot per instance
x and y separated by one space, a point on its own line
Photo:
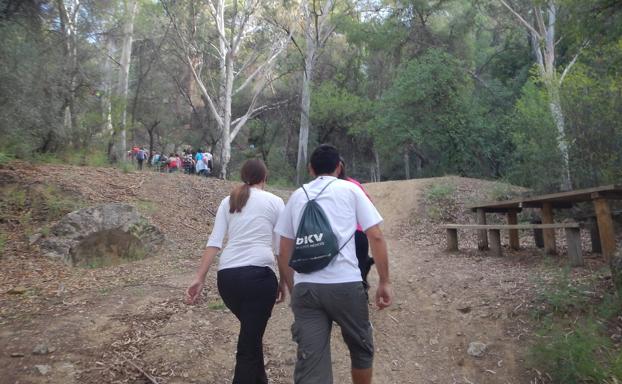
286 273
378 246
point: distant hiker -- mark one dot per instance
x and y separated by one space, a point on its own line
360 239
200 166
174 163
188 163
208 159
246 275
334 293
141 155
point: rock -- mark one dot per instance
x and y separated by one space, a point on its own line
42 349
616 338
43 369
112 230
17 354
477 349
465 309
34 238
17 290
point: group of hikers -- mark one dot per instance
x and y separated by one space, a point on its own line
198 162
321 239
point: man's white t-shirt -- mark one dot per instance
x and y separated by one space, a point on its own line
345 205
251 237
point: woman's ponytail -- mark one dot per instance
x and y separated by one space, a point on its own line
253 172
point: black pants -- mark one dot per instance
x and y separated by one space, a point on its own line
250 293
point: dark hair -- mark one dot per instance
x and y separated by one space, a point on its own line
324 159
253 172
342 172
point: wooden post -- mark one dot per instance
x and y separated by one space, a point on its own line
452 239
549 233
495 242
595 236
573 240
513 219
482 236
605 228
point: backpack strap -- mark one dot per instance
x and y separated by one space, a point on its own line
318 195
347 241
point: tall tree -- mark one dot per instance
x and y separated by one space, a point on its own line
233 30
69 11
130 10
316 29
543 42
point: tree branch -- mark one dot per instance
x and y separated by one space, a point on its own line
572 63
520 18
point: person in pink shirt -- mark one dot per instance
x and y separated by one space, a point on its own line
360 239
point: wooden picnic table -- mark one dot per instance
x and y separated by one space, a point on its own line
599 196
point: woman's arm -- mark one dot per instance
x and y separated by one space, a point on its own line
194 290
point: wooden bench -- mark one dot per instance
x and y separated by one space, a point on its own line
573 236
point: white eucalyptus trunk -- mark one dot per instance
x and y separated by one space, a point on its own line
107 93
542 34
131 8
305 110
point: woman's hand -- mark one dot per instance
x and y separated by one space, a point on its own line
281 295
193 292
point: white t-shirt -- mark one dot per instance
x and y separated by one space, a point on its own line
251 238
345 205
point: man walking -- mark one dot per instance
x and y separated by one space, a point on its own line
336 292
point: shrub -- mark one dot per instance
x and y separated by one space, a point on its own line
571 356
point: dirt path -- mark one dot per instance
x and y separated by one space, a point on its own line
128 322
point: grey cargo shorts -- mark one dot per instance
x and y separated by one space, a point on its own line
315 307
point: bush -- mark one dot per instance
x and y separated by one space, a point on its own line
571 356
5 158
572 344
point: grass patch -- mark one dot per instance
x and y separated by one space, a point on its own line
217 306
126 167
5 158
146 207
574 341
441 202
502 191
3 241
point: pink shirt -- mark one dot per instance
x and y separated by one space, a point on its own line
358 226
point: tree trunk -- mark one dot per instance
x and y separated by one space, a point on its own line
406 163
68 23
107 129
377 161
226 129
305 109
558 117
131 7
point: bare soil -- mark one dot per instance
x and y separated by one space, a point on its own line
127 323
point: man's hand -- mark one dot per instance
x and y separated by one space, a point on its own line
193 292
384 295
282 292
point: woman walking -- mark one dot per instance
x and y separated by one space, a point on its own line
246 276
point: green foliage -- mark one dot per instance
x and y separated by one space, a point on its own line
502 191
3 240
536 160
217 306
440 202
563 295
439 193
126 167
572 356
572 345
5 158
